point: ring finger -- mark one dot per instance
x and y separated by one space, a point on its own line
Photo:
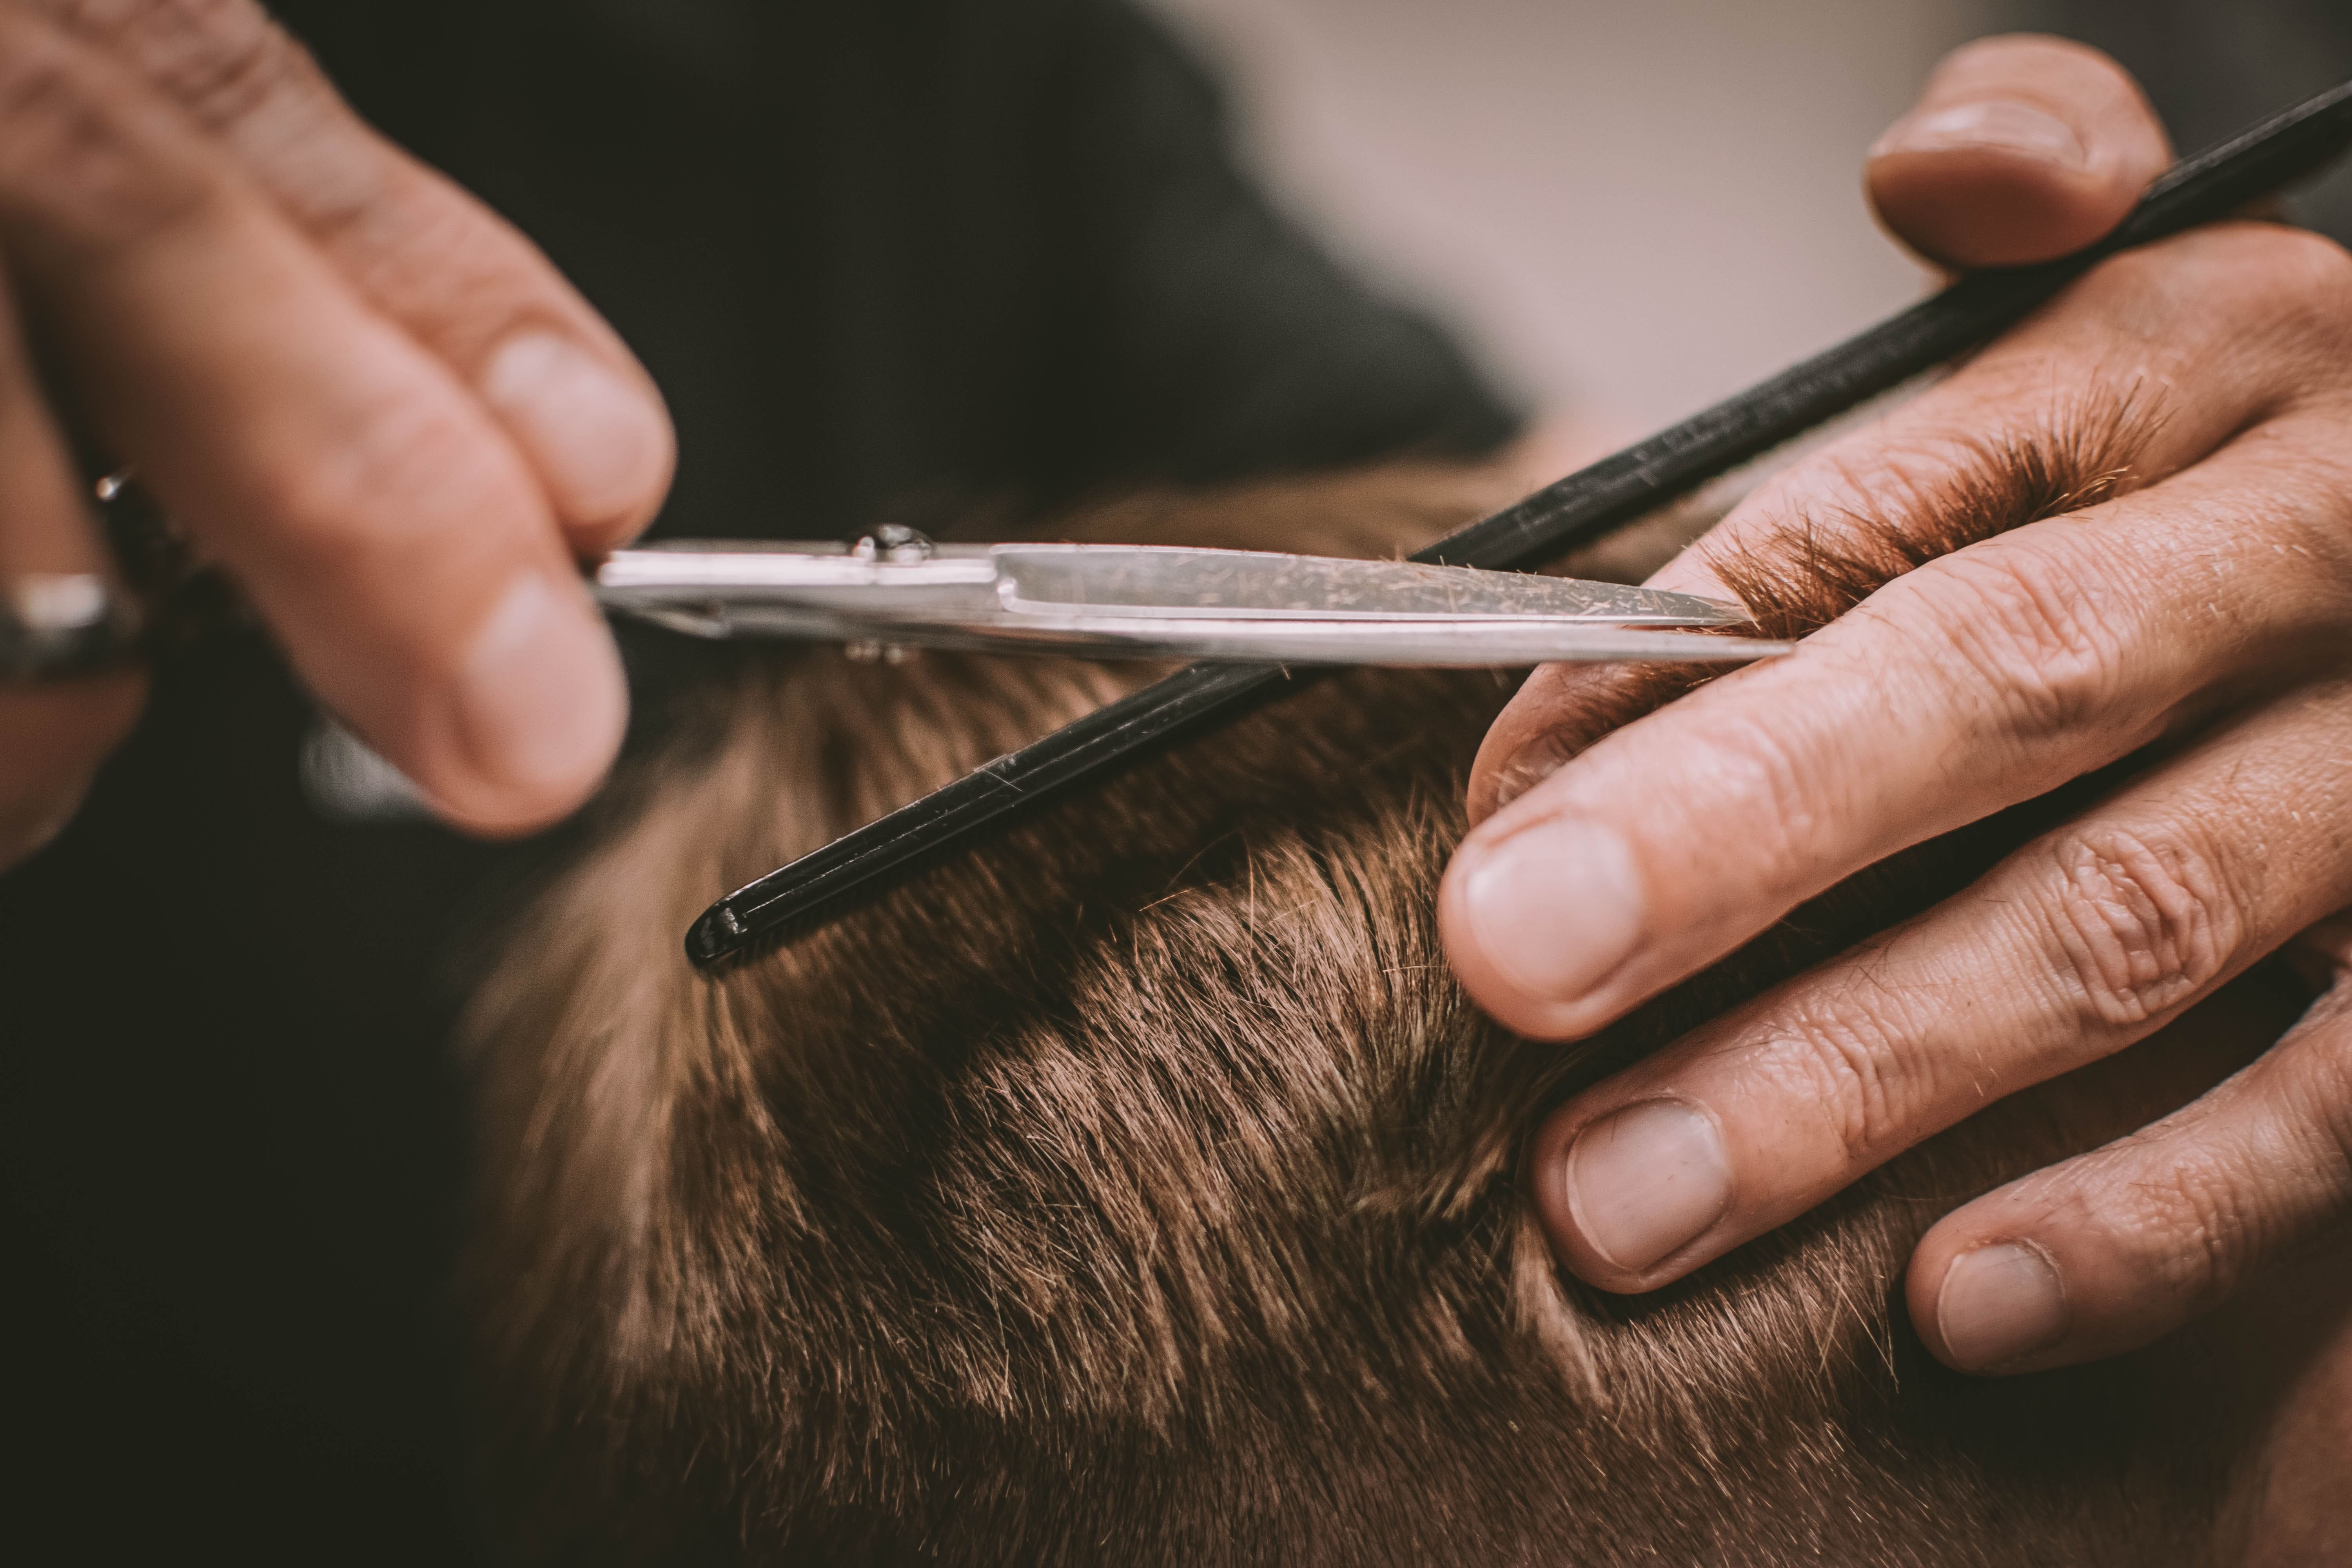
2106 1251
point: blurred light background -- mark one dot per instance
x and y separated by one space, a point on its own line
1631 207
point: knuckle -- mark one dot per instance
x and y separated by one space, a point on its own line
409 463
240 76
2194 1204
431 255
217 58
2036 638
2197 1227
45 98
2139 925
2287 289
2331 1120
73 151
2301 289
2315 1092
1846 1063
2327 1112
2301 270
1764 779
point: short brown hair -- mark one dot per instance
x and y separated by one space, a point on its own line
1142 1189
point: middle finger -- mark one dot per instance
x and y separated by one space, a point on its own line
2074 947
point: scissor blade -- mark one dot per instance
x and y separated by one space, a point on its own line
1245 584
1429 641
1423 641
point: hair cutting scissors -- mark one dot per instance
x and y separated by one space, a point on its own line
1583 506
897 588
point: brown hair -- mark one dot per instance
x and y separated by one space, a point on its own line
1142 1189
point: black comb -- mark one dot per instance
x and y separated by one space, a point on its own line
1588 503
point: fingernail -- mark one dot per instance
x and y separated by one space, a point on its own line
1646 1181
1998 1304
2002 124
1555 906
541 700
600 441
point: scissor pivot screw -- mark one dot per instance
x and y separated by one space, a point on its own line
891 542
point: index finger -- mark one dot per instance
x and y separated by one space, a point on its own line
1983 679
385 528
456 277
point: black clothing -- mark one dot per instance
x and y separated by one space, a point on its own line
888 258
908 251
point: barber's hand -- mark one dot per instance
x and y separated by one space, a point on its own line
379 406
2208 610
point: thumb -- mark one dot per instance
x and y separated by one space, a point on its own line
2021 147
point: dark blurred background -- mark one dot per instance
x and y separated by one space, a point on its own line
891 256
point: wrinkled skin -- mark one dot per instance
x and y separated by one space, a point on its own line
2194 619
397 427
371 400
